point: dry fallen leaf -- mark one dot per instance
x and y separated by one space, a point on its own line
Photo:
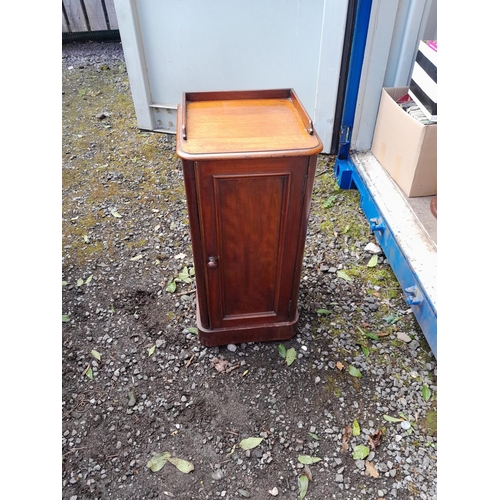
340 366
371 470
375 439
383 334
220 364
346 437
307 472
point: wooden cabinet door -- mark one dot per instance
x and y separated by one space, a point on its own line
251 214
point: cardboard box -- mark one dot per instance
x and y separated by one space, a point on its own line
405 147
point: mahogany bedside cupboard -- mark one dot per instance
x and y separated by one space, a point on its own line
249 160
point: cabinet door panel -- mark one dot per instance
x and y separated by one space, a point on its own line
250 214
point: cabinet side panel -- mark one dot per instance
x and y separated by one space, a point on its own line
196 240
251 219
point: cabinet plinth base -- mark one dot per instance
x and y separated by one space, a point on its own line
239 335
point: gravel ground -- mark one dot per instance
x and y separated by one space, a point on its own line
136 382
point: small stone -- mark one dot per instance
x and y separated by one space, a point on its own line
403 337
372 248
360 464
218 474
414 345
274 492
131 398
231 347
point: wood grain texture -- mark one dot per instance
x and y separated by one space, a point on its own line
248 211
269 122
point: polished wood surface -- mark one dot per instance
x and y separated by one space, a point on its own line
248 210
267 123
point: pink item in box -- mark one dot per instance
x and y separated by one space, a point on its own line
433 44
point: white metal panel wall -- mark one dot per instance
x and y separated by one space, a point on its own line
396 27
178 46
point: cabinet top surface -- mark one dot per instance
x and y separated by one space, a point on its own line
241 125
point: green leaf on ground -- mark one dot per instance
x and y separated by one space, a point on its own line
88 280
369 335
324 311
96 354
184 276
282 351
291 354
250 443
244 493
158 461
79 282
344 275
90 373
360 452
116 214
151 350
314 436
354 371
193 330
308 460
426 393
171 287
64 283
303 485
373 261
65 318
356 431
182 465
392 419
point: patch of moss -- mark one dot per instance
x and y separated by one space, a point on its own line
132 245
337 207
428 423
332 387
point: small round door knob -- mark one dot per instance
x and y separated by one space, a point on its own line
212 263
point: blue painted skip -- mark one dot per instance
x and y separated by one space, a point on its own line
348 178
